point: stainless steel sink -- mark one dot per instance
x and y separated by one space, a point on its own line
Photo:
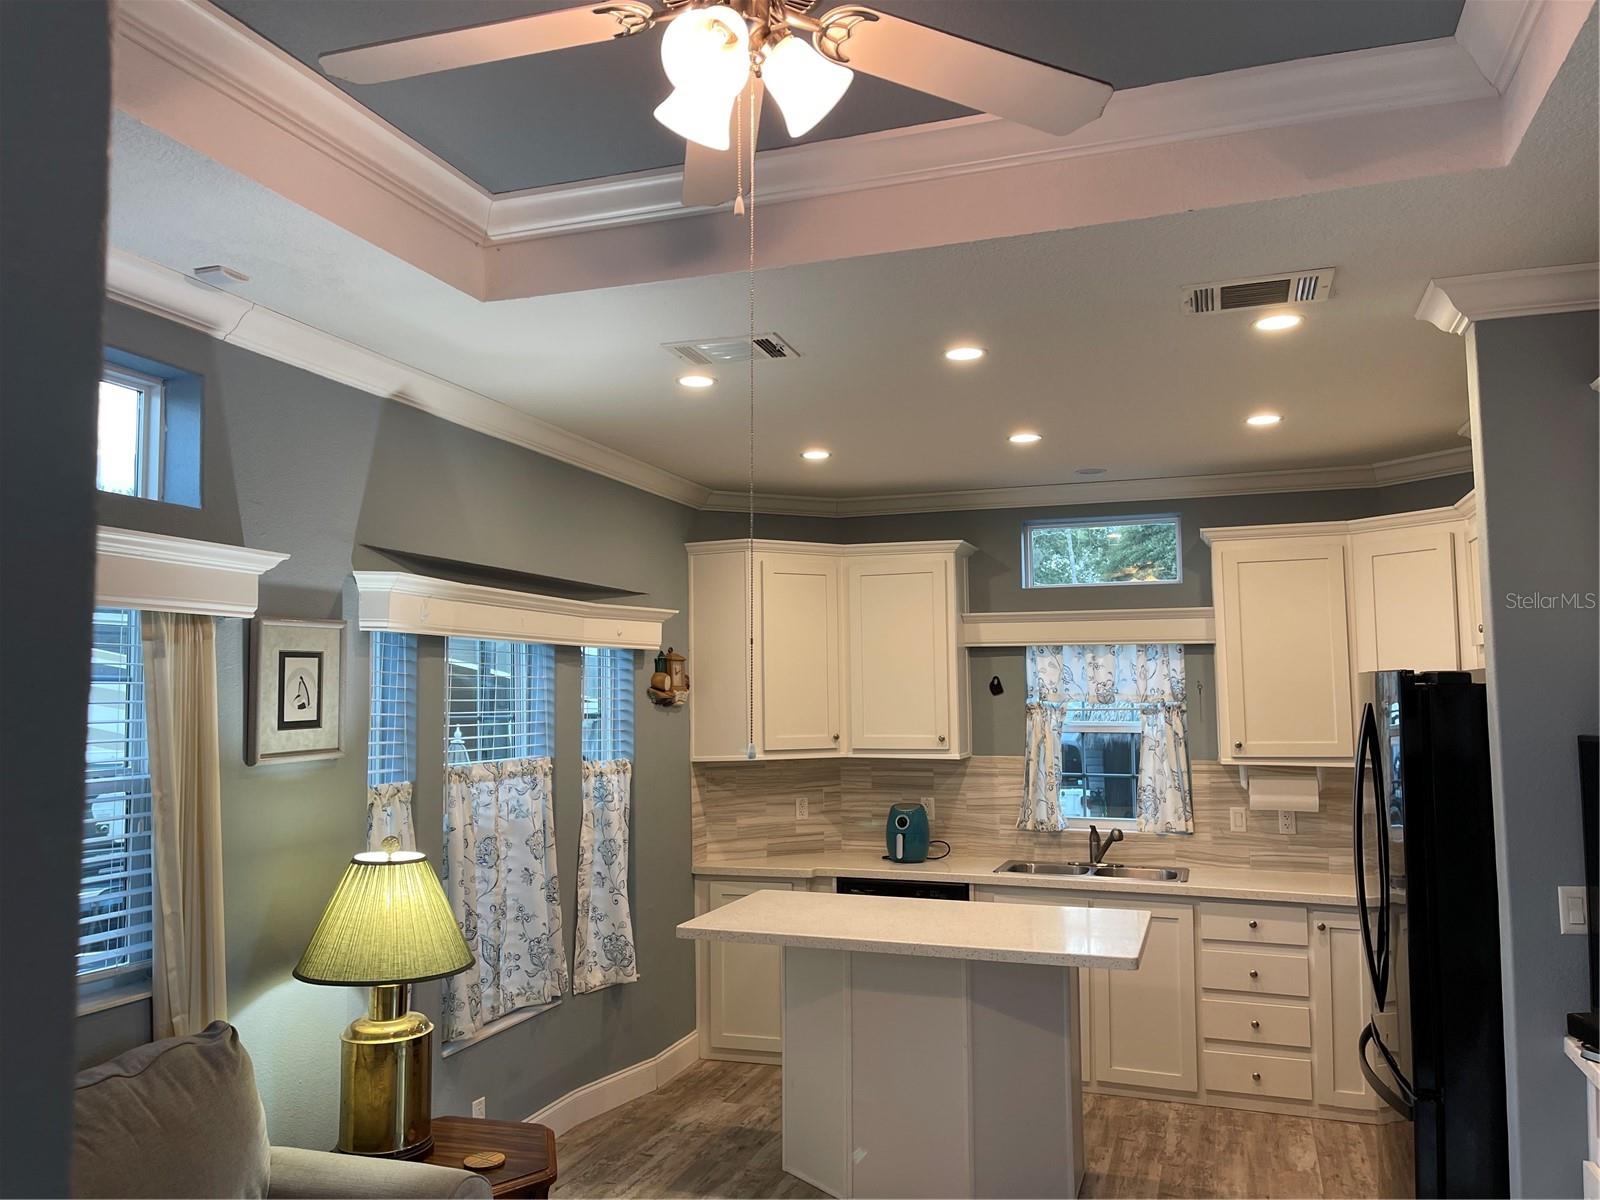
1018 866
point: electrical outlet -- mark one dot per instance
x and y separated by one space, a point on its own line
1574 909
480 1106
1285 821
927 803
1237 820
802 808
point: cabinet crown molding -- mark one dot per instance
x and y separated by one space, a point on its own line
847 550
406 603
1464 507
163 573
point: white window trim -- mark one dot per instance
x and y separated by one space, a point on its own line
493 1027
1083 823
1173 519
152 424
112 989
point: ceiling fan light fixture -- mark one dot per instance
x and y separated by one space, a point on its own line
698 117
706 55
805 85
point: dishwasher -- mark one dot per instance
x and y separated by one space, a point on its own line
916 889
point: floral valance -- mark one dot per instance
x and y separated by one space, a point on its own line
1134 675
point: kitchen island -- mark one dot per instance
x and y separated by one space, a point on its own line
930 1046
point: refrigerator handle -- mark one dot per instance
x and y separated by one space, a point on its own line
1364 744
1402 1097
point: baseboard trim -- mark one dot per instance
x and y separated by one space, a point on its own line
619 1087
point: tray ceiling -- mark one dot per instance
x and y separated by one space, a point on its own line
585 113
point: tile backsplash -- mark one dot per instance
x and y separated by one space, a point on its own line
747 810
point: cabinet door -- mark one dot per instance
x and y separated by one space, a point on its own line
1341 1006
900 646
1469 583
1085 983
1144 1020
743 984
1405 599
719 654
1285 652
799 652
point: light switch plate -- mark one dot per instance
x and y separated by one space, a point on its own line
927 803
1238 819
480 1107
1574 903
1285 821
802 808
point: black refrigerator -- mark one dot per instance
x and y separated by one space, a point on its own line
1425 879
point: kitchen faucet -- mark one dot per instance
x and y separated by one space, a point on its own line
1099 849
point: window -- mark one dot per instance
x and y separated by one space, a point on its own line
392 734
1100 762
114 896
1097 552
499 700
130 441
607 703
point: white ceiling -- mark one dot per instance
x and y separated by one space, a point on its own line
1087 339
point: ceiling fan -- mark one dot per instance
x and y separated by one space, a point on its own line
715 53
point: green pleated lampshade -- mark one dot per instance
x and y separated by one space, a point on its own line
388 922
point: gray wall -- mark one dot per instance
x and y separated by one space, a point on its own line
297 463
1536 444
995 571
55 78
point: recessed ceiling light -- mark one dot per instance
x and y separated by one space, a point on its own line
695 381
1090 471
815 455
1026 438
1278 322
1263 418
965 353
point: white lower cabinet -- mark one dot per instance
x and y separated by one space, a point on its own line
1341 1005
740 986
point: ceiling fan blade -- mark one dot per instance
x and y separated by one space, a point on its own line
520 36
973 75
711 177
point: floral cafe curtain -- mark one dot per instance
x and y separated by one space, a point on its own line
389 815
604 954
500 876
1112 683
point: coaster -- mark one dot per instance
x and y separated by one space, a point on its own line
484 1160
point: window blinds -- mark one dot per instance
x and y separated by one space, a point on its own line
392 734
114 895
607 703
499 700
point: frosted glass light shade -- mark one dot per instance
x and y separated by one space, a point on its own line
805 85
388 922
707 50
699 117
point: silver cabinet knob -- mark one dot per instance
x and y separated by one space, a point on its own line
1480 626
1256 1075
1255 974
836 737
941 739
1322 927
1238 745
1252 924
1255 1024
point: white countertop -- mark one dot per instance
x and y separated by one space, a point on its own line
1112 938
1225 883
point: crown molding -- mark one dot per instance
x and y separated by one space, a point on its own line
1454 461
1454 304
146 285
404 603
837 549
1463 508
172 574
189 69
1095 626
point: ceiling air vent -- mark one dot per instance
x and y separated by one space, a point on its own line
1294 287
766 347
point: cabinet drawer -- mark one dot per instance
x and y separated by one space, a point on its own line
1281 973
1256 1021
1256 1074
1270 923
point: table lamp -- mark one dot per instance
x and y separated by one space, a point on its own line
387 926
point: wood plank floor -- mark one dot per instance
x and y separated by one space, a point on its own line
715 1131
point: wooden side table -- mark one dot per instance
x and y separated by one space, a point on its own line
530 1150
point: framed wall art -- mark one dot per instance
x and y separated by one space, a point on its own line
296 676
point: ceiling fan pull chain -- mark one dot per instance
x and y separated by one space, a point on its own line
750 479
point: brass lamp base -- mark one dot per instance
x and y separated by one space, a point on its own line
386 1079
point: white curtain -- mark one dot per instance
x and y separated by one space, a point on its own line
389 815
189 987
1147 679
604 954
500 876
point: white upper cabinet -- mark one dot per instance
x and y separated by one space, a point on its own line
1405 597
901 650
855 650
1469 586
1283 662
800 652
